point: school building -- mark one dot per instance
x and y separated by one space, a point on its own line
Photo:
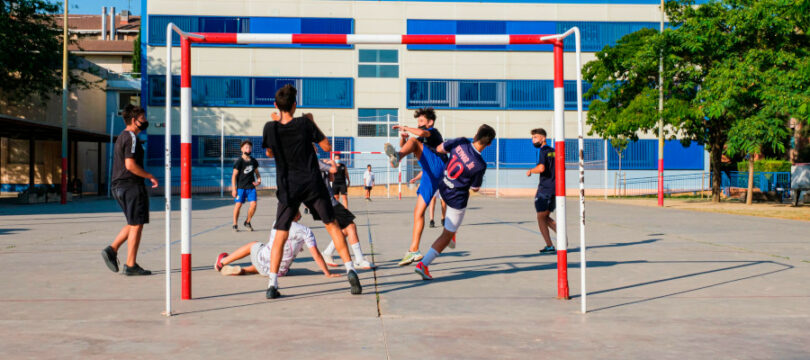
356 92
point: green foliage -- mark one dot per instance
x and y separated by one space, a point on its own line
136 56
767 165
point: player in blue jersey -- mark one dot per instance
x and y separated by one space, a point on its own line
464 172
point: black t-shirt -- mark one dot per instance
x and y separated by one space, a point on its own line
127 146
547 181
340 176
297 167
433 141
247 172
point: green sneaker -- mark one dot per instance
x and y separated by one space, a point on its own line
410 257
393 157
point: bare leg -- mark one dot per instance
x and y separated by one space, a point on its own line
236 208
120 238
278 250
418 223
412 146
338 239
444 239
239 253
337 198
444 209
251 211
433 208
345 200
249 270
134 241
542 222
351 234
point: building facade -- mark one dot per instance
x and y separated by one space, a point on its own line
357 92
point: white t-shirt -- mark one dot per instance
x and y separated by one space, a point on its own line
299 235
368 178
325 172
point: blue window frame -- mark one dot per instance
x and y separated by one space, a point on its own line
236 91
378 64
252 25
490 94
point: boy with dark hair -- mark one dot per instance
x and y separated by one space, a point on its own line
129 191
544 199
341 182
368 181
428 137
299 179
244 181
464 172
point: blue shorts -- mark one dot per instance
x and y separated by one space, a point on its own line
243 195
544 202
432 172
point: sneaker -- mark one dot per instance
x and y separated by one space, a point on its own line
392 155
272 293
410 257
452 243
354 281
432 224
422 270
231 270
235 228
110 258
248 226
328 260
135 270
548 250
218 263
364 264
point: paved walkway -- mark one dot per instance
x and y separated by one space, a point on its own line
663 283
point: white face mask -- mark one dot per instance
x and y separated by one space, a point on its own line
337 161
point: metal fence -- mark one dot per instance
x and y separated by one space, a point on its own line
648 185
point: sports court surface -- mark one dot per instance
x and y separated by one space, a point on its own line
662 283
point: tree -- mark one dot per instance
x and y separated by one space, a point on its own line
136 57
728 65
31 56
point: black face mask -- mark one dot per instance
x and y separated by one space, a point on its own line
247 153
423 127
143 126
537 145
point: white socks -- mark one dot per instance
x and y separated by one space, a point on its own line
273 280
431 255
358 252
330 250
349 266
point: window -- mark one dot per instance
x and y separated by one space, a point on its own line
252 25
235 91
378 64
490 94
376 122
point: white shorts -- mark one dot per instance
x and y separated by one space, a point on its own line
261 266
453 218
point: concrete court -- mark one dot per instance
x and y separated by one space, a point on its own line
663 283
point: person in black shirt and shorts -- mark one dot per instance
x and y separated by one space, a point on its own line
129 191
341 182
544 200
244 181
289 140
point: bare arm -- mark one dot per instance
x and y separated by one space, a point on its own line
136 169
258 178
536 170
416 131
268 152
416 178
440 149
348 181
233 182
316 255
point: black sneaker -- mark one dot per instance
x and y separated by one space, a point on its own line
110 258
432 224
355 282
135 270
247 225
548 250
235 228
272 293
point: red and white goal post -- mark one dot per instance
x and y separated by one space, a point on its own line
187 39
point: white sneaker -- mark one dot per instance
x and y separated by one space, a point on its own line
328 260
231 270
364 265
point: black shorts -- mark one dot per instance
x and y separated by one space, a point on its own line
319 206
544 202
340 189
367 187
134 200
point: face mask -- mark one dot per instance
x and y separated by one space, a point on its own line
538 145
143 126
423 127
247 153
337 161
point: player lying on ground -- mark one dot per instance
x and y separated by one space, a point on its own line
259 253
289 140
428 137
464 172
345 220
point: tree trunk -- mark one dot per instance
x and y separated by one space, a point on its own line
717 181
750 197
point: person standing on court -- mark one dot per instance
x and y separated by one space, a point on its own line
544 199
244 181
341 182
129 191
368 181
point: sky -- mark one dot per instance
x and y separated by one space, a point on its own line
94 6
